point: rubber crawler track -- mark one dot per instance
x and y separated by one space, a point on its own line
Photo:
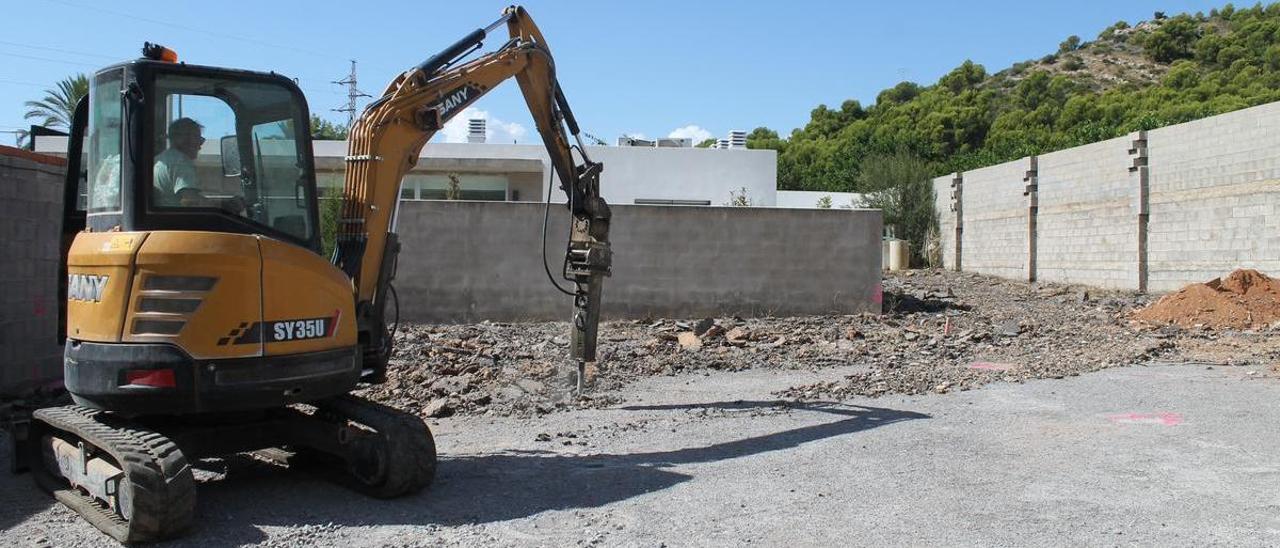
163 487
409 449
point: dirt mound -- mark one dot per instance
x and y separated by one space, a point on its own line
1246 299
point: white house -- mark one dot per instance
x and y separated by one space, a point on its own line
658 175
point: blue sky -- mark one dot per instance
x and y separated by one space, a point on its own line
641 68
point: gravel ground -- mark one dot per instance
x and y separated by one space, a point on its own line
807 431
1158 455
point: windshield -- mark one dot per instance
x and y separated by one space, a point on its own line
228 147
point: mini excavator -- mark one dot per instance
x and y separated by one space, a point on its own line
202 317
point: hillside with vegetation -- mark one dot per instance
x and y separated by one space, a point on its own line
1167 70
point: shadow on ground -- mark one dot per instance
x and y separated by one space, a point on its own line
19 496
906 303
485 488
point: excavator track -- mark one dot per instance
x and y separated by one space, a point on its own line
390 453
156 497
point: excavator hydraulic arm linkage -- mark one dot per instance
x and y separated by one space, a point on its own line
387 138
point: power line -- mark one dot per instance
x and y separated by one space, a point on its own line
46 59
58 50
321 91
193 29
19 83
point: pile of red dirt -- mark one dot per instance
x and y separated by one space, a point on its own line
1244 300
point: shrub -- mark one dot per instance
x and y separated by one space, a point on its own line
900 185
1174 40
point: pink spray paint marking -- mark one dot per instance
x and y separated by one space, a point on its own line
877 294
991 366
1163 419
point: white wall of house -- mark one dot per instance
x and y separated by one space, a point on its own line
630 173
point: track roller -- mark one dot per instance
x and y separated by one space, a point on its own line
132 483
386 453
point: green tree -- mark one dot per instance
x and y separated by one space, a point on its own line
59 103
322 129
901 93
900 184
1109 33
824 202
330 212
454 190
1069 45
706 143
964 77
971 119
764 138
1173 40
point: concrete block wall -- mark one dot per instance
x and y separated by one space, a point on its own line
947 191
1215 197
468 261
995 220
1151 211
1086 223
30 221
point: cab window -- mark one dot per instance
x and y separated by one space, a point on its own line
102 157
228 147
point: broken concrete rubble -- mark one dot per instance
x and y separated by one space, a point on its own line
939 332
689 341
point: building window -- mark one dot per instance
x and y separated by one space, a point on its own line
408 189
471 186
659 201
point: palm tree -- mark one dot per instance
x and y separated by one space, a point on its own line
55 110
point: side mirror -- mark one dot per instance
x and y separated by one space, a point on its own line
230 156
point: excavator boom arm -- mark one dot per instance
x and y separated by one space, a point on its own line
385 142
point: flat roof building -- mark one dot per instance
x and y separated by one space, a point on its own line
666 175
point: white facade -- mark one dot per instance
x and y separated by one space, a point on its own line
679 175
630 175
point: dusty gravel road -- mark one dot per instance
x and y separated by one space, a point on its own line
1159 455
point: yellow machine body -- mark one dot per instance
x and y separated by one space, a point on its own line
213 295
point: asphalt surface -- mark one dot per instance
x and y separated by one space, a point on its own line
1179 455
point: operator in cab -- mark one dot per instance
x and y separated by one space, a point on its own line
176 184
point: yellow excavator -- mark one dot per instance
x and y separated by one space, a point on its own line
202 318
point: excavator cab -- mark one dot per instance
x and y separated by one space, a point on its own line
195 277
181 147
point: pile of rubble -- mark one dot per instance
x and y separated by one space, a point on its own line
938 332
1245 299
944 331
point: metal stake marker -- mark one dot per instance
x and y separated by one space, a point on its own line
582 377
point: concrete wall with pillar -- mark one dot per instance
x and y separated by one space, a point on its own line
994 217
1152 210
948 202
1086 220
